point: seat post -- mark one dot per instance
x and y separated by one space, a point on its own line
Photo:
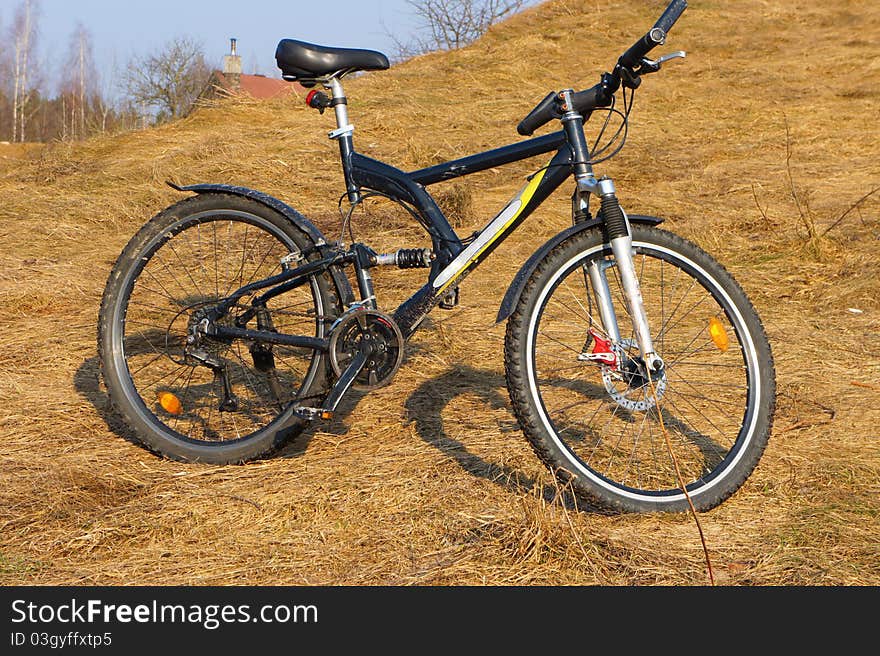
343 134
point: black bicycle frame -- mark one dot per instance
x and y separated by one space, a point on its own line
454 260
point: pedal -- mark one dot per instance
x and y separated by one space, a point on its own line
450 300
312 414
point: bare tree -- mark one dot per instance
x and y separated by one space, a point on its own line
450 24
79 88
24 40
168 81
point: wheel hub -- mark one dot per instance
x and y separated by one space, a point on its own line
629 386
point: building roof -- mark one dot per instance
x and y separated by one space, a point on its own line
256 86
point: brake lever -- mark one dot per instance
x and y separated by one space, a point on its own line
653 65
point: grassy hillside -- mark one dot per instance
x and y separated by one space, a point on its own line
753 146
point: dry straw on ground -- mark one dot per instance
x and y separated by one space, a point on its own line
429 481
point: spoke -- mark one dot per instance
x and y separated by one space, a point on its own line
737 386
153 383
582 365
550 354
636 446
141 285
722 434
574 350
662 337
617 443
246 371
143 337
574 405
211 407
158 282
199 249
741 367
185 395
259 266
216 274
241 266
706 347
307 301
295 368
160 262
677 305
170 243
158 327
153 307
705 398
177 374
685 315
587 316
682 437
147 364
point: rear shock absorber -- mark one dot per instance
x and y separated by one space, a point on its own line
406 258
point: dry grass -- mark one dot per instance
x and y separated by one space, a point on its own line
429 481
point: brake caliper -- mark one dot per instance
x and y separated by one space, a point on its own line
602 351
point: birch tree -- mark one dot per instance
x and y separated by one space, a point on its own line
24 42
80 85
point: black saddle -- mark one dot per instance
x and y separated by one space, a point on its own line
305 62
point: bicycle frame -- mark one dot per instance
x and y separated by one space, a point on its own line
452 260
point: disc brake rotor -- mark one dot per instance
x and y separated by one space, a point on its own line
628 385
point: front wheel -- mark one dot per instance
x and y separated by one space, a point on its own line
596 421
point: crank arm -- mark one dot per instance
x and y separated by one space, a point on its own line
357 364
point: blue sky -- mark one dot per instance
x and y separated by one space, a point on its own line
122 28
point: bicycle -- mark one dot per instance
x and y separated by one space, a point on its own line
229 323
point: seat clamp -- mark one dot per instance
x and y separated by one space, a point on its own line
341 132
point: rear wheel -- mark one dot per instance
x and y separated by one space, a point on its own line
218 401
597 424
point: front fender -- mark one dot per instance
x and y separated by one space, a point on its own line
511 298
301 222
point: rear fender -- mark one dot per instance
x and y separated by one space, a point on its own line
302 223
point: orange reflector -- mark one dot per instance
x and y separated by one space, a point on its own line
718 334
170 403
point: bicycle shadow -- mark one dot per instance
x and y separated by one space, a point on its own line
87 383
424 409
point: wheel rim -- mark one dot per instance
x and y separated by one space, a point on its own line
616 447
189 265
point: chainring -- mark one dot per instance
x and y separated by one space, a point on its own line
345 340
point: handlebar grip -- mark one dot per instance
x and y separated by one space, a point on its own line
631 58
586 101
673 13
544 112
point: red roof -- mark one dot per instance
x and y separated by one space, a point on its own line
258 86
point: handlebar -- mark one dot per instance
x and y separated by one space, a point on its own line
656 36
673 13
544 112
583 102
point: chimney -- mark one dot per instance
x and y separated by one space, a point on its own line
232 65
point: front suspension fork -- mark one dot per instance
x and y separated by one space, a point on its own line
617 233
